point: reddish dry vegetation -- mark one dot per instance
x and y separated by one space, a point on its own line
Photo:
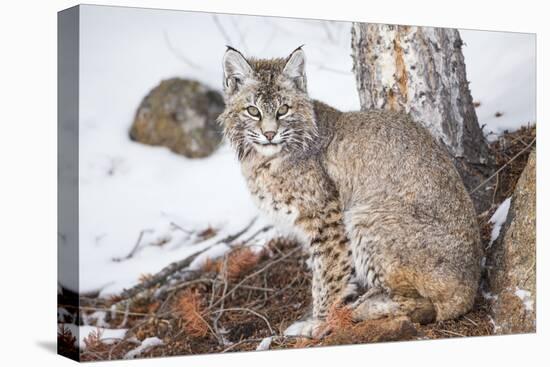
245 296
240 261
192 312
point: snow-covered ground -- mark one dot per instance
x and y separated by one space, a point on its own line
130 192
501 68
107 336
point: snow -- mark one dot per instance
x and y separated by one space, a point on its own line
265 343
295 328
96 318
525 297
501 67
107 336
489 296
144 346
498 219
496 328
128 190
137 196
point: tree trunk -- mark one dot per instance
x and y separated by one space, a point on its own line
421 71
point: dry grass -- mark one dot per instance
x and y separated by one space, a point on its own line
241 261
339 318
66 343
238 262
192 314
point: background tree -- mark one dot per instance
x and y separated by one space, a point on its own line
421 71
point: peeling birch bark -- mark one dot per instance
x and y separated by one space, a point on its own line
421 71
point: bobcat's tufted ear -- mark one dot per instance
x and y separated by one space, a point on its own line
235 70
295 68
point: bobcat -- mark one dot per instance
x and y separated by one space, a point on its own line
377 200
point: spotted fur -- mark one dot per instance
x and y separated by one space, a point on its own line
375 198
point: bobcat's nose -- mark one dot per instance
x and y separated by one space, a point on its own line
269 135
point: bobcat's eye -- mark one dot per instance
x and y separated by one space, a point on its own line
253 111
283 110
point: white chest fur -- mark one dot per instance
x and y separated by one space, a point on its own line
273 199
282 215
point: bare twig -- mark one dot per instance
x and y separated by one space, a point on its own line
178 53
233 237
255 234
449 332
472 321
240 34
328 32
125 318
274 294
332 70
221 29
503 166
177 226
188 283
495 189
264 268
116 345
135 249
250 311
220 311
257 340
215 281
88 308
245 341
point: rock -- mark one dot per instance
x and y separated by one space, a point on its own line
180 114
512 270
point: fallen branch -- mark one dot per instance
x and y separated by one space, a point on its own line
106 309
174 267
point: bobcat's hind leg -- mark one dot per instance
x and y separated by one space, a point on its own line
377 303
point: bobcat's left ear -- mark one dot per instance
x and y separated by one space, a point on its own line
295 68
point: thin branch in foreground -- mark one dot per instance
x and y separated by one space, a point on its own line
219 315
503 166
264 268
449 332
134 249
178 54
221 29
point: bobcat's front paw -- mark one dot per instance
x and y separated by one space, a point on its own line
310 328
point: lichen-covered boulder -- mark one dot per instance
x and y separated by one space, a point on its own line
512 275
180 114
